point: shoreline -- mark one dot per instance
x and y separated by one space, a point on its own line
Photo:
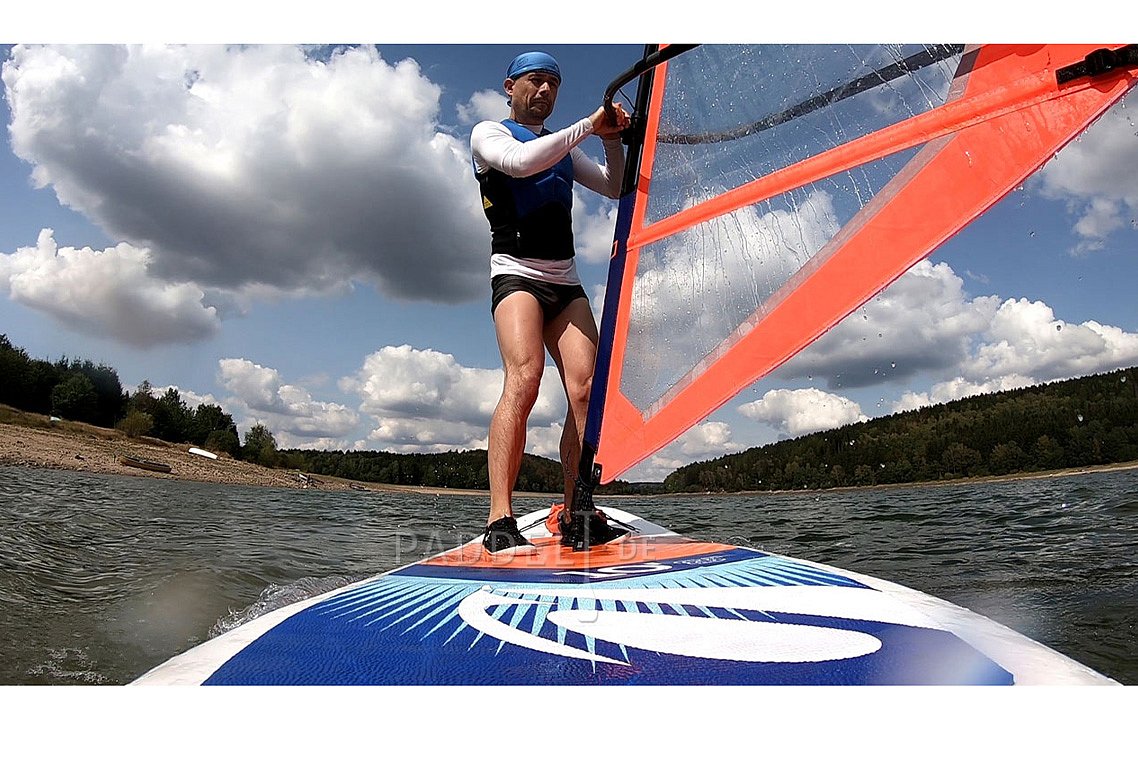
976 479
35 440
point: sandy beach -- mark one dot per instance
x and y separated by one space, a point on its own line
33 440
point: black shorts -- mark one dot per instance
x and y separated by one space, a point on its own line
552 298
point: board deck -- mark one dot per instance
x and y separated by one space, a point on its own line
651 608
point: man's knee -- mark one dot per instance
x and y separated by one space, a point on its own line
522 385
577 389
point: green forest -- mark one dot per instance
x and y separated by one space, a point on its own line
451 469
79 390
1072 423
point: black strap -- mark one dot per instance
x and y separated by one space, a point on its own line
1099 62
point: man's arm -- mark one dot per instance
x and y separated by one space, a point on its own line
494 147
606 179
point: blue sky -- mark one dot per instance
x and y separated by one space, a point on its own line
300 241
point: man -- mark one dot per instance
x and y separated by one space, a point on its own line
526 175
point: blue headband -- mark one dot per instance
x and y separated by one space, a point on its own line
535 61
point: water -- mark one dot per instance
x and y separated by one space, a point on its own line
103 577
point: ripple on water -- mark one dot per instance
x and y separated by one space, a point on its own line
66 666
103 577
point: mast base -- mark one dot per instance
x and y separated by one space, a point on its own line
587 526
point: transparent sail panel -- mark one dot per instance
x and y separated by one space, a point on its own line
695 289
734 113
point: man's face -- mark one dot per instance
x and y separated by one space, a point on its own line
532 96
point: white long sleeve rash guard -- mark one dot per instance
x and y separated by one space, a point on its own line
493 147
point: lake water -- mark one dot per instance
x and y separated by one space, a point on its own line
103 577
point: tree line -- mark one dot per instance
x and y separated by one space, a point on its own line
1073 423
451 469
81 391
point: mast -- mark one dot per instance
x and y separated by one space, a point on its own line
584 523
589 473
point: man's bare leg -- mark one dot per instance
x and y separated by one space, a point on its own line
572 342
518 325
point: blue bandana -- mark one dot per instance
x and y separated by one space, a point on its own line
535 61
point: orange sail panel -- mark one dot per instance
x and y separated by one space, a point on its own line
781 187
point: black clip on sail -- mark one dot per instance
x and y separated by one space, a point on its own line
1099 62
648 63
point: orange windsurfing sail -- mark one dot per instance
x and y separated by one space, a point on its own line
774 189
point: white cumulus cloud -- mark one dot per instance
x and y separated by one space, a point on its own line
1025 344
296 419
416 436
255 385
424 400
484 105
706 440
694 289
802 411
255 166
190 398
958 388
593 229
411 401
1026 337
109 292
924 321
1095 175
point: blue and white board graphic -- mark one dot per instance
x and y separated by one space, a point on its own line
653 608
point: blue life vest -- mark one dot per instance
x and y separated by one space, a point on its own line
530 217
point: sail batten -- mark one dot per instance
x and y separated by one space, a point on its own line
915 62
738 252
